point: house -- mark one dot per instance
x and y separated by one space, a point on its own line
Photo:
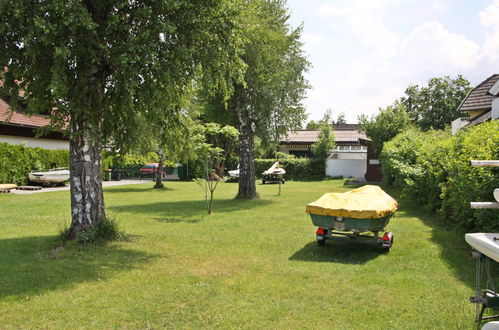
18 128
482 104
349 157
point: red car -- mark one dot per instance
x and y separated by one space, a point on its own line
150 169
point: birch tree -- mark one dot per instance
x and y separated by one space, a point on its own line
267 103
97 64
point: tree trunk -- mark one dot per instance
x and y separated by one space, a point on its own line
87 200
159 183
210 204
247 187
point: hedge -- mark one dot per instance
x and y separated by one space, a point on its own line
130 164
434 169
296 169
16 161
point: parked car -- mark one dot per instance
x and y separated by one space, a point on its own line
150 170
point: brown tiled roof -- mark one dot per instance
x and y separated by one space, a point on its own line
20 119
341 135
479 98
302 136
349 136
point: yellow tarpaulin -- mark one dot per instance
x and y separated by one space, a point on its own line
365 202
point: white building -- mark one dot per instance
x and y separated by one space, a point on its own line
18 128
349 157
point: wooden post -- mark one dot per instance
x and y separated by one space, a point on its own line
485 163
484 205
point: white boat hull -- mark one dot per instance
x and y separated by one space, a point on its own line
234 174
49 177
486 243
275 170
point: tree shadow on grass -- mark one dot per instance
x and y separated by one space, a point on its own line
29 266
135 189
337 252
190 211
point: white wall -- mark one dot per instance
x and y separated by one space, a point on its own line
459 123
495 108
346 167
35 142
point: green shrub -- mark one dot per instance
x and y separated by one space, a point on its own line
414 161
296 169
16 161
434 169
130 164
466 183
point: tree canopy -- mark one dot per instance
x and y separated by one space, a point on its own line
325 144
435 106
313 125
108 61
385 125
428 107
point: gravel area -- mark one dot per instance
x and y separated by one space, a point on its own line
104 184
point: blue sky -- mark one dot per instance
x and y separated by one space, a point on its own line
364 53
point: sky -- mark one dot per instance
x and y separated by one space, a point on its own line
365 53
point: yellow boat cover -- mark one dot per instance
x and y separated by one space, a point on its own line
365 202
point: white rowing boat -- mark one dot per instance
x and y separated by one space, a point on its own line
56 175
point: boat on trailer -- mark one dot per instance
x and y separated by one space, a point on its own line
358 216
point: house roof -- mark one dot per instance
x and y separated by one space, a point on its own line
343 133
480 97
301 136
20 119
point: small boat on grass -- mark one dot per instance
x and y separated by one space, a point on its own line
274 174
53 176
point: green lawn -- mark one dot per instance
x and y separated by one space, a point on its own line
249 265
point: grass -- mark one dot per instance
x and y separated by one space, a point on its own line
251 264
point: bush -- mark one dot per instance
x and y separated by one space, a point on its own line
16 161
414 161
466 183
434 169
130 164
296 169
